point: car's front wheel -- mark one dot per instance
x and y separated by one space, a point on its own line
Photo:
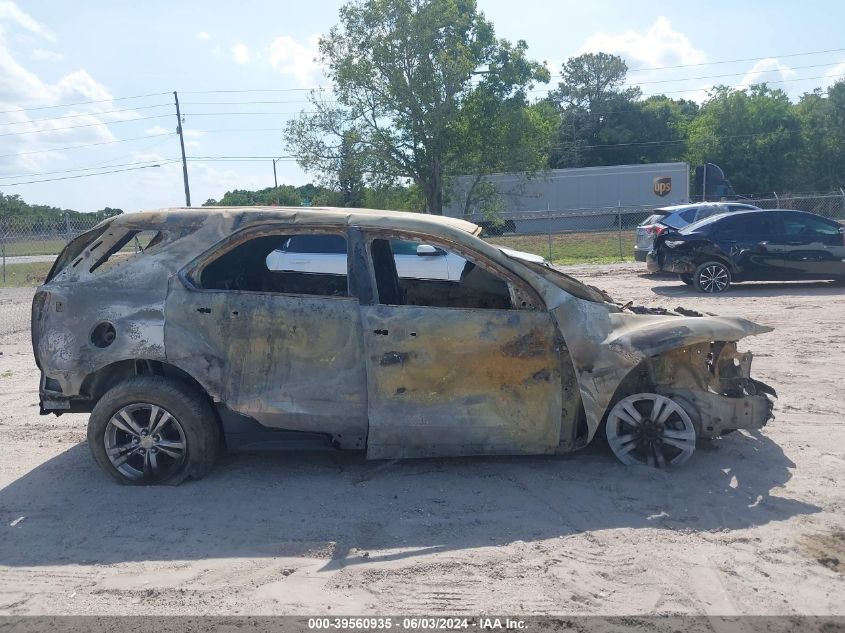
712 277
151 430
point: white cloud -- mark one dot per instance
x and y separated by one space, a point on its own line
10 12
660 45
80 84
289 57
39 54
240 52
766 70
834 74
156 130
17 84
202 35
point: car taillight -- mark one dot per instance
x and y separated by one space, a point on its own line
655 229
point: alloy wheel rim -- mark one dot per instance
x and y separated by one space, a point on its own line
145 443
650 429
713 278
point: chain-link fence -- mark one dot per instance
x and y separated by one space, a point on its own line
608 235
28 247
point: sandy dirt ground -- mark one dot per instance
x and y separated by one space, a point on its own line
753 524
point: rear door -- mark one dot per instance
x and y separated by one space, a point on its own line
283 345
457 367
747 239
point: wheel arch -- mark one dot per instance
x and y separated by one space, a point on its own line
97 383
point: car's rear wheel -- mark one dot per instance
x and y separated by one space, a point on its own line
151 430
687 279
712 277
650 429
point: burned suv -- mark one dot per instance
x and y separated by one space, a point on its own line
173 331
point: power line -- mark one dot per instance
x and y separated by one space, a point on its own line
663 81
78 103
665 142
61 149
93 167
245 113
209 92
246 102
102 173
734 61
73 127
73 116
740 86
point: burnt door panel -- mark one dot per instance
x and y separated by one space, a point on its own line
447 381
290 362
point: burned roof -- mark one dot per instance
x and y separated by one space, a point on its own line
299 215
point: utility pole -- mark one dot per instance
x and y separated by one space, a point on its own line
182 144
275 182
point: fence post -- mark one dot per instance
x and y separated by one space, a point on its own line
777 200
549 217
67 226
3 249
843 201
619 216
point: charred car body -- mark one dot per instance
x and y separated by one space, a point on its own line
188 340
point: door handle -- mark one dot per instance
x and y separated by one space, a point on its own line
380 332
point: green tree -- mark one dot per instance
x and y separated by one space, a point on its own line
401 72
590 95
821 155
752 134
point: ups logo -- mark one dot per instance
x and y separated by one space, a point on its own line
662 185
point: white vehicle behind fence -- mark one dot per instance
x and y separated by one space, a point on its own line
414 260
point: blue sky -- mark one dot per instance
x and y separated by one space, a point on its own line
53 54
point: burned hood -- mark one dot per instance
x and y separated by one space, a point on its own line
648 335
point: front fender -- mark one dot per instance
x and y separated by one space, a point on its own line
606 344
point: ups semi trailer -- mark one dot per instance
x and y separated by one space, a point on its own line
579 199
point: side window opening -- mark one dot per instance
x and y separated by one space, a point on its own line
467 286
132 244
74 249
306 263
797 226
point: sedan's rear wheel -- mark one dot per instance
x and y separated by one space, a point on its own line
712 277
650 429
150 430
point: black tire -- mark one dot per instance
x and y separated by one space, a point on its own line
712 277
687 279
196 420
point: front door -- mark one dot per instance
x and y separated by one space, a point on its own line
454 369
280 346
810 247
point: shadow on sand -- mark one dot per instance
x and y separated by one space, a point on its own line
752 289
328 505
